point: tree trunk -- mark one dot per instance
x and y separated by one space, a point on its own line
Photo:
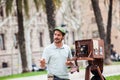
99 20
108 35
106 38
50 8
21 38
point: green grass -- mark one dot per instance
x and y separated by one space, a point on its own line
23 75
117 77
116 63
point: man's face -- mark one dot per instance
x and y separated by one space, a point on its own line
58 37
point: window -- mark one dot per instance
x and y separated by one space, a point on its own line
41 39
1 11
4 64
73 36
15 13
91 7
2 44
15 41
93 20
95 34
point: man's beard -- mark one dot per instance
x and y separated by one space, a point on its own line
57 40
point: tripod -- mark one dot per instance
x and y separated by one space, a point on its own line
96 68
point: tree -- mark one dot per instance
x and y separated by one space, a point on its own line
50 7
21 36
105 36
50 12
108 35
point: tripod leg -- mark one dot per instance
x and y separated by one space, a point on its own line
99 72
77 65
87 73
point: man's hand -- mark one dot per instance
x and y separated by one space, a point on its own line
42 63
69 63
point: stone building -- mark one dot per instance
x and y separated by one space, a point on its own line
80 24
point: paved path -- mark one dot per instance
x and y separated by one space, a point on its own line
108 71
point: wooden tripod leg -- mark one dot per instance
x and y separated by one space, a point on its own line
77 65
87 73
99 72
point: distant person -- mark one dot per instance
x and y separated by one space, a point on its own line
114 55
56 57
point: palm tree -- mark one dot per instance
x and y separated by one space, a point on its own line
50 7
21 36
50 12
103 35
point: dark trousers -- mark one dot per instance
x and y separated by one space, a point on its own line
57 78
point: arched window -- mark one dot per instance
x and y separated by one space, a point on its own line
15 41
41 39
2 44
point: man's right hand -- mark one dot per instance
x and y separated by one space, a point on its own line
42 63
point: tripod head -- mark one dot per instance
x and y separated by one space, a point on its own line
89 49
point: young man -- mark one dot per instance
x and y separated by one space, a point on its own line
56 56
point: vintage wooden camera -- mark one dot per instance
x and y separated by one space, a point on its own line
92 49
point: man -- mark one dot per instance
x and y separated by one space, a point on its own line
56 56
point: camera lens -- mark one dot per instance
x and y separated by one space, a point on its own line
84 49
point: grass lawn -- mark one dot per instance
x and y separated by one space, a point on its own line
23 75
117 77
116 63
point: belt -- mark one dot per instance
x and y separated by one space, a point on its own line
55 77
50 76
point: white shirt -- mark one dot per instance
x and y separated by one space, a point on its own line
56 60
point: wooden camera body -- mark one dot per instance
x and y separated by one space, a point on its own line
93 51
89 48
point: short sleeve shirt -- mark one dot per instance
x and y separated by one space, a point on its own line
56 58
